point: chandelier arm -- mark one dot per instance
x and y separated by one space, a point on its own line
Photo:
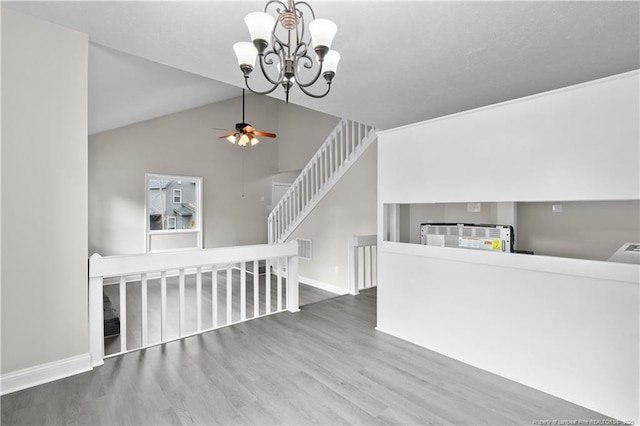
314 79
304 3
276 2
313 95
264 61
266 92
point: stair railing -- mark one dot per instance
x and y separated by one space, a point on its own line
339 151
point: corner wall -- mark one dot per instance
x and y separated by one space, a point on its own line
348 209
44 195
568 327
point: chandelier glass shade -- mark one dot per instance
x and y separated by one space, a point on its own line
288 50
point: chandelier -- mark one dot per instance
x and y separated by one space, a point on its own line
282 46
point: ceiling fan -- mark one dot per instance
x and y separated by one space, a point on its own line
245 134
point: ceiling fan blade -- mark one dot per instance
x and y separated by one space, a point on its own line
227 135
264 134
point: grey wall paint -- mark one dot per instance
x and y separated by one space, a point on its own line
450 213
585 229
301 131
348 209
44 192
235 179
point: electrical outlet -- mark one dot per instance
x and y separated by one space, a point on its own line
336 269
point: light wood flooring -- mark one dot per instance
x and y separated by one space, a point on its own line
323 365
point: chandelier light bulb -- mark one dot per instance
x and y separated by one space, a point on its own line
331 62
246 54
322 32
260 26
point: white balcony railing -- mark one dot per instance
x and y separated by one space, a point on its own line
363 261
166 296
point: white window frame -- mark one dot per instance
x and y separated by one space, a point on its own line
199 214
178 192
171 223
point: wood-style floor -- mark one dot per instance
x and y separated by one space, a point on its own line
323 365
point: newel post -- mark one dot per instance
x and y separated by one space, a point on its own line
353 267
96 320
292 280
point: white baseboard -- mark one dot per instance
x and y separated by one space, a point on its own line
323 286
44 373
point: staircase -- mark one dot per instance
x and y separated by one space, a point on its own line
338 153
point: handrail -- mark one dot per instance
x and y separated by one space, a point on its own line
340 150
142 263
144 268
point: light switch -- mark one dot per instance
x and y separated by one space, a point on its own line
556 208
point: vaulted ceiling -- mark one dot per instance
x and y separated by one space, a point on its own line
402 62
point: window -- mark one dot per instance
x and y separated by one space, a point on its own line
177 196
171 222
173 212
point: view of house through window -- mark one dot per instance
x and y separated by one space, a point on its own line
172 202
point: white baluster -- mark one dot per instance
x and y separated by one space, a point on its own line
292 284
123 314
279 292
374 265
143 309
352 137
181 283
163 306
256 289
214 297
243 291
198 299
367 264
267 291
229 296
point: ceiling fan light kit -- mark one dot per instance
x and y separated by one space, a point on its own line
282 47
245 134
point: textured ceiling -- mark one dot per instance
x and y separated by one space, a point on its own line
402 62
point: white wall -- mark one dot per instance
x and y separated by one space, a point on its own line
580 143
44 193
565 326
348 209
